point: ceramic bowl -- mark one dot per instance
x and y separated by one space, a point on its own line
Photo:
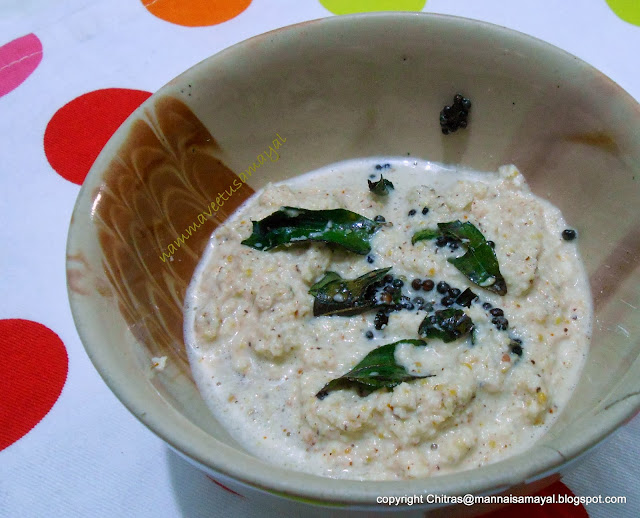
331 90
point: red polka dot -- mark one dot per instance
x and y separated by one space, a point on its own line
78 131
223 487
33 371
18 59
544 511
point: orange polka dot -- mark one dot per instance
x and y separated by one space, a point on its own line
33 371
78 131
196 13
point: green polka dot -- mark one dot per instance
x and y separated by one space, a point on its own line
364 6
628 10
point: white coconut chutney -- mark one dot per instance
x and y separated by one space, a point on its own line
259 356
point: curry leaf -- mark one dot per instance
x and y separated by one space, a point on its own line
377 370
447 325
293 225
337 296
479 264
382 187
426 234
466 298
323 284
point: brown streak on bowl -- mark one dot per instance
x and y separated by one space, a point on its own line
602 141
164 175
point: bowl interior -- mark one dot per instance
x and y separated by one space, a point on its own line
330 90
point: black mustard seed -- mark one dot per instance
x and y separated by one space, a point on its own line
427 285
443 287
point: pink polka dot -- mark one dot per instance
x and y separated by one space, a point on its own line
18 59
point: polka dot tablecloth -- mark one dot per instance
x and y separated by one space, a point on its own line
70 73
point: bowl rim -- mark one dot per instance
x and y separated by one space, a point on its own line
216 457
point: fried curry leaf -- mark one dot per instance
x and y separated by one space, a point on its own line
479 264
382 187
322 286
292 225
426 234
337 296
466 298
447 325
377 370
